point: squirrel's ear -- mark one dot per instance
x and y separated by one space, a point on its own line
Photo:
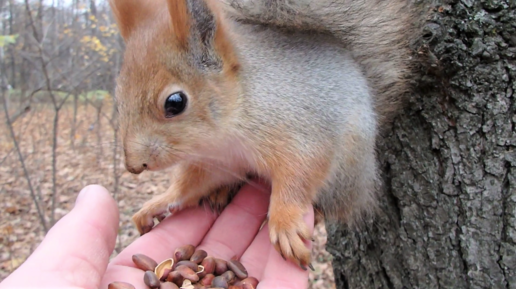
180 21
199 29
129 13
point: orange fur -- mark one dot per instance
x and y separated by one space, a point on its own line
180 21
222 42
296 181
129 14
189 184
164 55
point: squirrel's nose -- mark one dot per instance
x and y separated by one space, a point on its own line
136 170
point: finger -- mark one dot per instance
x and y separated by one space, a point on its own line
76 250
257 254
127 274
188 226
266 264
239 223
185 227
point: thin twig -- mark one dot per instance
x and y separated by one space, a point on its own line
22 162
57 107
21 112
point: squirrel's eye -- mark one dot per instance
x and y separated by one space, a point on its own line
175 104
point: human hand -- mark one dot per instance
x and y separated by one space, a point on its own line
76 251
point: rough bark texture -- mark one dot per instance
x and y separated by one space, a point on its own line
449 204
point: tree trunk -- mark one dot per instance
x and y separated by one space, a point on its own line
448 215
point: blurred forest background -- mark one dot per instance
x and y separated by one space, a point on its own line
58 65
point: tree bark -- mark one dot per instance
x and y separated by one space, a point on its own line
448 217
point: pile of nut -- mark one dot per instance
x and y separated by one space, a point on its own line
191 269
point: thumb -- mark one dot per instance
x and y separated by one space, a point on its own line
76 250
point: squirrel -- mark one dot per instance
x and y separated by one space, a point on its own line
294 92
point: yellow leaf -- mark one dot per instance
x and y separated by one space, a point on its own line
16 262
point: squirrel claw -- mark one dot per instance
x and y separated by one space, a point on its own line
288 241
263 223
161 217
144 230
173 208
143 221
144 218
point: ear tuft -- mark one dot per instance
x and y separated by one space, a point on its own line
130 13
180 21
199 29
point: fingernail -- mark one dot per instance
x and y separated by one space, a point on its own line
86 191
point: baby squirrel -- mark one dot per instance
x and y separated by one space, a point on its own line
291 91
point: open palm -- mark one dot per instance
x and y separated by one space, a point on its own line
75 253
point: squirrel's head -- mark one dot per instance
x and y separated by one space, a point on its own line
178 83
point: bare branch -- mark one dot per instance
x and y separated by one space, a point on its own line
21 112
21 159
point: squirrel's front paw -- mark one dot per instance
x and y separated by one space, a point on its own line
155 208
287 234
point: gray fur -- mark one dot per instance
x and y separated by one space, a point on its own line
310 85
377 32
202 34
322 74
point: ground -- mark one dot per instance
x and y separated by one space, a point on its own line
88 161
